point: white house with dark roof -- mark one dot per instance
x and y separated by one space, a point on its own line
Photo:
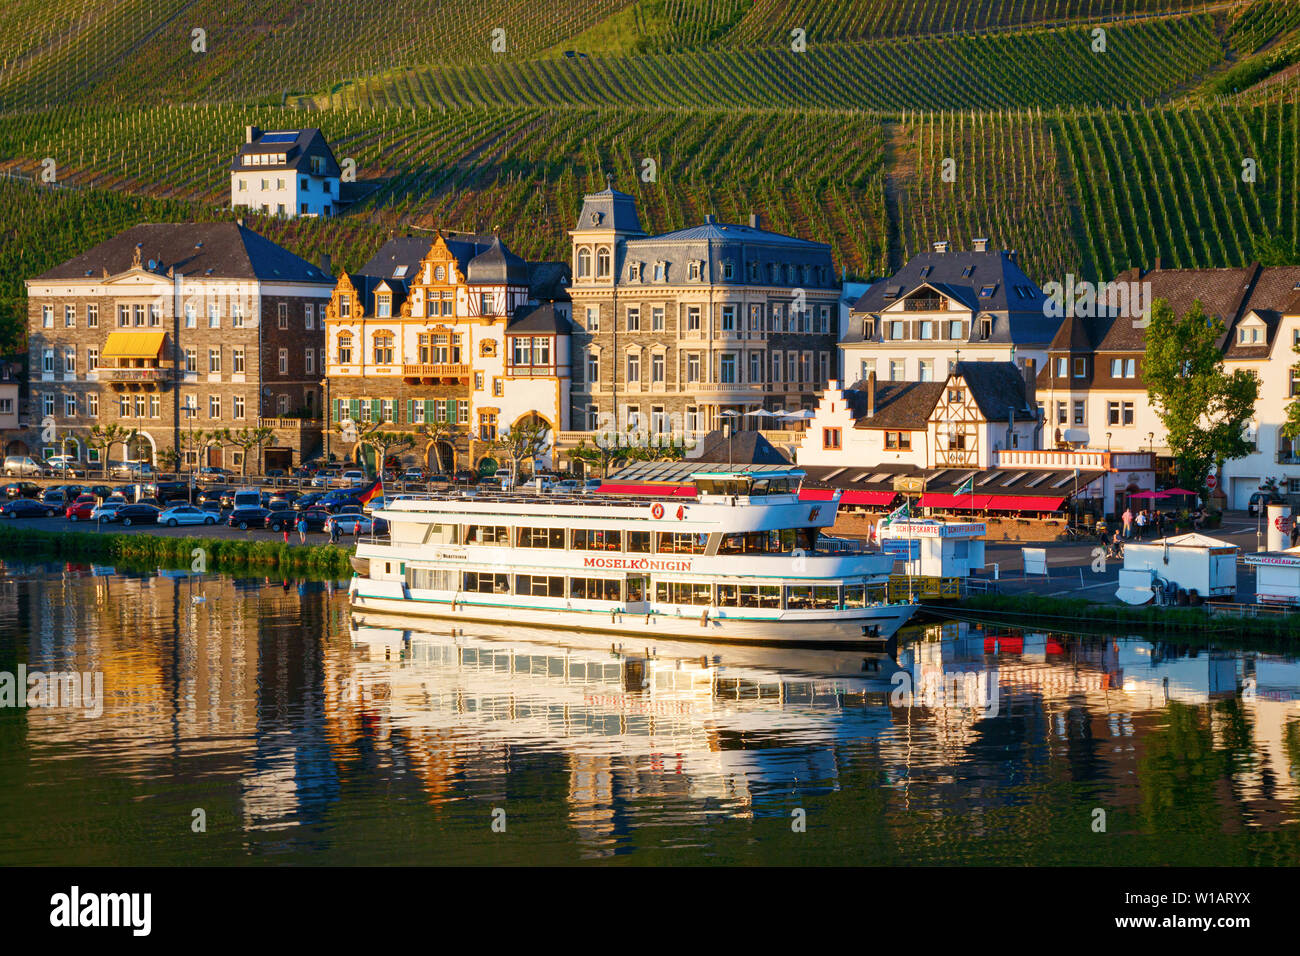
943 307
285 173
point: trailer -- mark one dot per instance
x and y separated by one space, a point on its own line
1197 564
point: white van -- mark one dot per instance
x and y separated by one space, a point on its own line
22 466
247 498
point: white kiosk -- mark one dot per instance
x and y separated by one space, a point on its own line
1186 561
1277 576
936 548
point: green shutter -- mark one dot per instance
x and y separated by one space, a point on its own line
376 410
338 410
354 409
429 413
410 411
451 411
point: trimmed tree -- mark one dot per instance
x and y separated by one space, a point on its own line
104 437
246 439
1205 410
527 440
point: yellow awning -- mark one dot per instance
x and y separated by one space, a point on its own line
134 345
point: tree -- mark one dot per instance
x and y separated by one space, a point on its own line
196 440
1204 409
169 459
246 439
526 440
373 436
104 437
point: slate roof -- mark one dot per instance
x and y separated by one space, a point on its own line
731 232
900 406
1016 302
997 387
497 264
609 209
748 447
367 286
543 319
222 250
298 151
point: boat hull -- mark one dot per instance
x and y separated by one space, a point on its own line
865 627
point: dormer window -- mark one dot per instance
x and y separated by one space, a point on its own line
987 291
728 269
661 271
868 328
345 307
384 306
1080 368
694 271
986 327
634 271
967 272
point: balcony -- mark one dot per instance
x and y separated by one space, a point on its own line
1288 456
1082 458
133 379
303 424
437 373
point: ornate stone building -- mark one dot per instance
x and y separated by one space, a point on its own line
453 336
168 328
676 330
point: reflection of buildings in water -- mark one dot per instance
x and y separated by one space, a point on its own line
192 665
1267 768
722 725
1156 674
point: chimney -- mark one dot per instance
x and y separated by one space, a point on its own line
251 133
1030 370
325 263
941 245
871 393
981 245
708 217
755 221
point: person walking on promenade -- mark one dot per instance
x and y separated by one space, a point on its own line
302 529
286 534
334 532
1295 531
1141 523
1128 523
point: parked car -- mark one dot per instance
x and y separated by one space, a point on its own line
309 500
22 466
211 507
1260 501
277 519
323 477
152 502
438 482
591 485
185 514
354 476
274 474
99 491
415 474
316 518
212 473
137 514
26 508
108 510
569 486
245 518
217 495
22 489
347 521
131 469
340 505
166 491
64 466
81 509
280 500
57 498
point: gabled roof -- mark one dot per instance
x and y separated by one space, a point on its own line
298 146
744 447
219 250
996 388
367 287
1253 350
900 406
548 281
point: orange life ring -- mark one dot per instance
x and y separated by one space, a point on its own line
657 510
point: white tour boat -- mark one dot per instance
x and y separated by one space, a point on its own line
744 560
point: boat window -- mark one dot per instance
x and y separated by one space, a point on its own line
485 583
636 589
804 596
539 585
432 580
728 595
681 542
595 589
638 541
487 534
749 595
597 539
540 538
684 592
855 595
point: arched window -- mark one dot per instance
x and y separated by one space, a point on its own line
584 263
602 264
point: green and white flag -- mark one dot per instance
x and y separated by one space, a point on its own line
967 487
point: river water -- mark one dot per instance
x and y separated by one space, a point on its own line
252 720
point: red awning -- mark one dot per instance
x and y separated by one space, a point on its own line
868 497
933 499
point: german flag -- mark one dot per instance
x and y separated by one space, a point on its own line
370 492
